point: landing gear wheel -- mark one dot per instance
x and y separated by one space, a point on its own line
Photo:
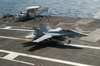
69 42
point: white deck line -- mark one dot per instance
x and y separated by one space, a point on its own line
18 61
9 37
8 27
17 29
42 58
11 56
21 29
24 27
91 47
84 46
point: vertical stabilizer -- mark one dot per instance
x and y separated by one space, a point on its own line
38 31
43 28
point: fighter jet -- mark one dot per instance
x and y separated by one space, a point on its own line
43 34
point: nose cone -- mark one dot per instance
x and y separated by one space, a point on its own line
85 35
82 34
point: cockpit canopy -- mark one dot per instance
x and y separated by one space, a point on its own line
68 30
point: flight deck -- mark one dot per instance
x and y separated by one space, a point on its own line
17 51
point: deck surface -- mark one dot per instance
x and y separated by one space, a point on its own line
15 52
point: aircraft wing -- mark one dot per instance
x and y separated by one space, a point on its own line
42 38
57 29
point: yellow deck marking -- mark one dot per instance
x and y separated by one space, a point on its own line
88 34
88 54
65 23
26 39
85 21
92 37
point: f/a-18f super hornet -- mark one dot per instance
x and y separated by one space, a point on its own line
31 12
43 34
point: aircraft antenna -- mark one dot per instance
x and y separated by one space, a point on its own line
48 26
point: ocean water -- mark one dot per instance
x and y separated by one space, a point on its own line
65 8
